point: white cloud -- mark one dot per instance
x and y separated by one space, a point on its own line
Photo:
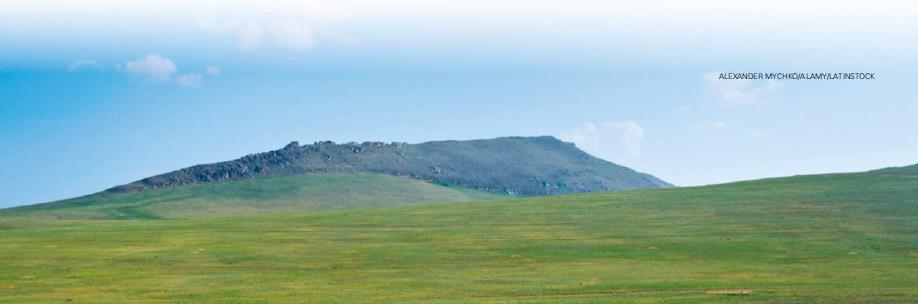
709 125
249 36
760 133
85 64
190 80
213 70
291 25
157 68
152 67
614 141
293 34
742 92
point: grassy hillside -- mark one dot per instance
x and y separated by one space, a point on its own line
263 195
809 239
508 165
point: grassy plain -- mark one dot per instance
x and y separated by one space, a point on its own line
842 238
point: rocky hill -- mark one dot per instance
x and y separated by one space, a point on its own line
509 165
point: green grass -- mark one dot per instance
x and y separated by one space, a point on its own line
263 195
829 239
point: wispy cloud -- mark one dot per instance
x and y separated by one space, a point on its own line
85 64
709 126
190 80
760 133
153 67
742 92
249 36
156 68
291 25
617 141
213 70
292 34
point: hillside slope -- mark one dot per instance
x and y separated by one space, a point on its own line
508 165
262 195
840 238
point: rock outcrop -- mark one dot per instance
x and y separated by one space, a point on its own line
511 165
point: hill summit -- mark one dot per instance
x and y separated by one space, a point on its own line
509 165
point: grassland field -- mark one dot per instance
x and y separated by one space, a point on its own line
840 238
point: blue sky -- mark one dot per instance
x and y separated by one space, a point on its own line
99 93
